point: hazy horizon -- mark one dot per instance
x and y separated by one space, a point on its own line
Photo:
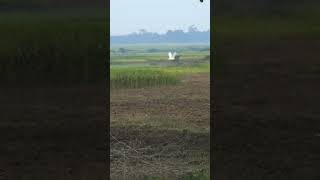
159 16
160 33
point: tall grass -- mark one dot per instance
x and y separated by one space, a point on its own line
141 77
37 47
137 77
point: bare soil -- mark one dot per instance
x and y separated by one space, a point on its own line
161 132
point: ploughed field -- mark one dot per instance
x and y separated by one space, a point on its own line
161 130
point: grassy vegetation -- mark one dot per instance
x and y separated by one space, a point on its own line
53 46
197 175
156 56
139 67
137 77
148 77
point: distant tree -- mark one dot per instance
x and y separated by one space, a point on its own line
122 50
143 31
153 50
192 29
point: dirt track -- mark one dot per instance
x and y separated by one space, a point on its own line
267 120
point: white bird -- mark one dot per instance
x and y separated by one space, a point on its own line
172 56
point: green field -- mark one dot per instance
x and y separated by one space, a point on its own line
147 65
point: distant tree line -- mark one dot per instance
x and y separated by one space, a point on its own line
193 35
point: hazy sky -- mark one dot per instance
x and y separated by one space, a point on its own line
129 16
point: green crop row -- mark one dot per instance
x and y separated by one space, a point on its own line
143 77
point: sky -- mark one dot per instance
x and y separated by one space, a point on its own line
128 16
